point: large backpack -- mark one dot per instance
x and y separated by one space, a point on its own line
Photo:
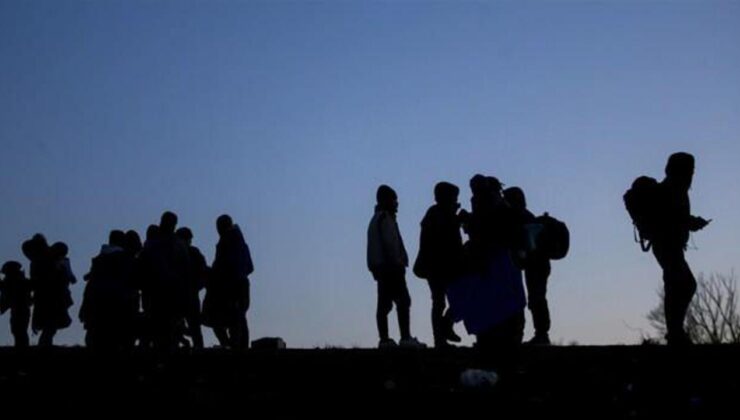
642 203
554 240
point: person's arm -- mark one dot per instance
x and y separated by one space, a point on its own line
248 264
421 265
391 243
697 223
68 272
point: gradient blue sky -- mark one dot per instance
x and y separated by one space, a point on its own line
287 115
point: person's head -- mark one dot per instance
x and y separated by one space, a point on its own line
185 234
133 241
494 186
117 238
36 247
152 233
224 224
168 223
680 169
515 197
59 250
12 268
40 239
478 184
386 199
446 194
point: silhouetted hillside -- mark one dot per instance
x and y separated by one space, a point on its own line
611 382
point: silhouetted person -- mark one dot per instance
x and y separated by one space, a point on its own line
144 282
387 261
133 248
165 267
196 281
669 243
132 243
440 257
476 222
110 302
536 269
491 228
489 224
15 295
64 279
227 291
152 235
50 280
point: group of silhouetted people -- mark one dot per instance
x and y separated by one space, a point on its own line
503 237
136 294
149 294
483 274
47 290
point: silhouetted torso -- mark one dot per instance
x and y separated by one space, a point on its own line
15 293
440 244
164 267
675 215
227 295
52 298
110 302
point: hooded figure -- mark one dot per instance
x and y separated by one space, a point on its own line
669 243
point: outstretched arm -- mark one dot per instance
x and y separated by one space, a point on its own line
698 223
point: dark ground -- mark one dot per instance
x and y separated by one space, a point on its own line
558 382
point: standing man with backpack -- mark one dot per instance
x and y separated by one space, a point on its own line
665 222
537 270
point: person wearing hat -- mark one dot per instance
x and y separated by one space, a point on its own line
387 261
15 295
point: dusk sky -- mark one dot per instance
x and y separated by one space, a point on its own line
288 115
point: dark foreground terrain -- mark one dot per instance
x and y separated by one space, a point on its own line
598 382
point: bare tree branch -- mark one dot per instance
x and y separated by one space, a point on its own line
713 316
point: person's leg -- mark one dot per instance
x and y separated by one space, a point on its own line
384 306
687 290
536 280
19 327
47 337
241 333
679 288
516 329
403 306
222 336
244 324
440 325
193 321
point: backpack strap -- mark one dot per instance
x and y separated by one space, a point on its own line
645 244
